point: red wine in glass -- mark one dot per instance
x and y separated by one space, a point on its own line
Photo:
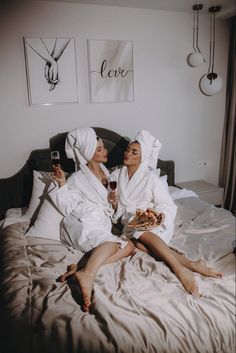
113 185
55 157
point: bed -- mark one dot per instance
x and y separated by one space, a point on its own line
138 305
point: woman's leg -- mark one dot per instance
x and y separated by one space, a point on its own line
121 253
158 247
86 276
198 266
140 246
71 269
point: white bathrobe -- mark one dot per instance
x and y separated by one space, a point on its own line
83 201
144 190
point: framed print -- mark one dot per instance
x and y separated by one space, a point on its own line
111 71
51 70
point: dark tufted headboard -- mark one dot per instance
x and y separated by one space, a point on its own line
16 190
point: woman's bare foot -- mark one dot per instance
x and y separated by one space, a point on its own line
85 280
71 270
187 279
200 266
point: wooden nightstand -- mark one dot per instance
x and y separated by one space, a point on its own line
208 192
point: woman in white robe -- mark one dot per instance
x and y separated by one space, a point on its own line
140 188
83 199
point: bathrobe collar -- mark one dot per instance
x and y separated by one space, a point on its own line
129 189
95 183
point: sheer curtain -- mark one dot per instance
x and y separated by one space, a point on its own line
228 149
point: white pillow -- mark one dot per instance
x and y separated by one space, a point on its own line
156 171
48 223
41 183
14 215
163 180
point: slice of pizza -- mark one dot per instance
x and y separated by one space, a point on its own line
146 219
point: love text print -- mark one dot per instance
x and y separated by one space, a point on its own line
106 72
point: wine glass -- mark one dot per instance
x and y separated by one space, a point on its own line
113 183
55 157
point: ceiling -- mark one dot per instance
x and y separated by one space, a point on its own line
228 6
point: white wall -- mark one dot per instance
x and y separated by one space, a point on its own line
167 99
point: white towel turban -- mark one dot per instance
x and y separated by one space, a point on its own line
81 144
150 147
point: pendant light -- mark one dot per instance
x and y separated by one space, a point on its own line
195 58
211 83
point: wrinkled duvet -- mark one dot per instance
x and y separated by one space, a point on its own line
138 304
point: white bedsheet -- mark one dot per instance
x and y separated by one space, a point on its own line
14 215
138 304
177 193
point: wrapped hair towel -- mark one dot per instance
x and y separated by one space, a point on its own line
150 147
81 144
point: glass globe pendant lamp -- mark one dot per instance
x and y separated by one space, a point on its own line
211 83
195 58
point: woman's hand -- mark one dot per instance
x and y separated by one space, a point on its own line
113 199
59 175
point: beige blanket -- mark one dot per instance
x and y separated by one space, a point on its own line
138 305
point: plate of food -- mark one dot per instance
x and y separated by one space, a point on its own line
146 220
